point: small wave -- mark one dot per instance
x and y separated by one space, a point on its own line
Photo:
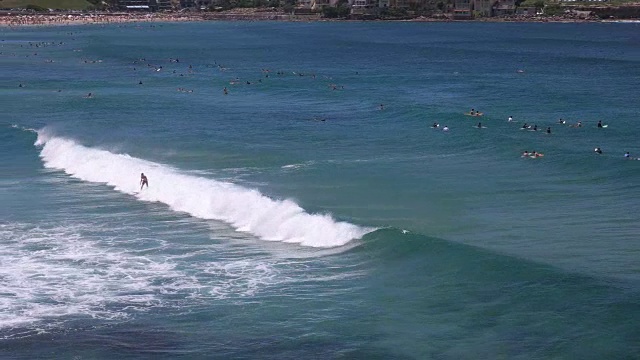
247 210
297 166
15 126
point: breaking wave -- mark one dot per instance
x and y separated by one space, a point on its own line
247 210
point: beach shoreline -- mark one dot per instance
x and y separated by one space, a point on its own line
18 19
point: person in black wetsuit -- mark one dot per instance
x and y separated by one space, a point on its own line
143 181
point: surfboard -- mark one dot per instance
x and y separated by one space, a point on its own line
475 114
604 126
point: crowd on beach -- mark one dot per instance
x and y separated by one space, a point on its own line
19 18
22 19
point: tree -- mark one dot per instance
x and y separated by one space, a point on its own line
538 4
36 8
553 10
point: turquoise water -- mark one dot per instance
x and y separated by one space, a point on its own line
295 217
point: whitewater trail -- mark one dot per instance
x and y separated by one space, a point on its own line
247 210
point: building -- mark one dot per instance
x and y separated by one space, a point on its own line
399 4
136 5
526 10
483 8
462 10
164 5
304 4
186 4
504 8
320 4
364 8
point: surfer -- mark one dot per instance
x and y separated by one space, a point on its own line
435 125
600 123
549 130
525 126
598 151
479 125
627 155
510 119
561 121
143 181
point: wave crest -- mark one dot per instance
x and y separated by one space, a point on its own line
245 209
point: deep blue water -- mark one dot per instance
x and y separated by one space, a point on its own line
296 217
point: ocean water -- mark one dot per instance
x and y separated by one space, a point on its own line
297 218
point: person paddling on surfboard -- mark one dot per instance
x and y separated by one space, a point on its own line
143 181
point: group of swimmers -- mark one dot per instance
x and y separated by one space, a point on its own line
437 126
534 127
597 150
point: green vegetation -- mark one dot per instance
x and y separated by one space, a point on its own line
341 10
392 13
538 4
553 10
37 8
608 3
40 5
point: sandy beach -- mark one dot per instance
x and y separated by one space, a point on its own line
12 19
55 19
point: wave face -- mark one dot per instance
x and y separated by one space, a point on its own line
247 210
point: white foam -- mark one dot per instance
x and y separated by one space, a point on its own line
51 273
245 209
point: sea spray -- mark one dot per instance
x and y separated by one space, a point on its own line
245 209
